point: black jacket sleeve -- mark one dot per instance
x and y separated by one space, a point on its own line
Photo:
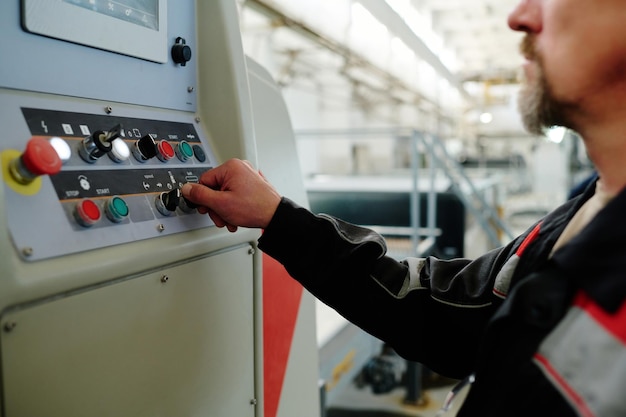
429 310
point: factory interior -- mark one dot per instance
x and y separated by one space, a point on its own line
368 81
118 298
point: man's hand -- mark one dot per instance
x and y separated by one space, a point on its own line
234 194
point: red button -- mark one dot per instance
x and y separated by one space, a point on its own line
166 151
87 213
40 158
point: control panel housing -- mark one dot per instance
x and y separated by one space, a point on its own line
44 221
117 297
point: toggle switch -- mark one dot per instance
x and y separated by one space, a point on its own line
98 144
39 158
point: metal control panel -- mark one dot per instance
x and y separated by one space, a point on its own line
99 198
116 296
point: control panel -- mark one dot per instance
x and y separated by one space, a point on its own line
78 180
117 297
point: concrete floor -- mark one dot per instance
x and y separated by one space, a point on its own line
361 402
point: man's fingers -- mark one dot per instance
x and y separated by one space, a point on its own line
198 194
219 222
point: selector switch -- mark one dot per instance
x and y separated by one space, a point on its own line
145 148
39 158
187 206
98 144
167 202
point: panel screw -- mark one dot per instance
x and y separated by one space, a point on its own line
108 109
197 119
28 251
190 89
253 401
9 326
251 251
164 279
161 227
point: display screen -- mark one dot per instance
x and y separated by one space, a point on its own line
141 12
137 28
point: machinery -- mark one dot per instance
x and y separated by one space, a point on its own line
116 296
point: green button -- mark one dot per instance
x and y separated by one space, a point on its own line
120 206
186 149
117 209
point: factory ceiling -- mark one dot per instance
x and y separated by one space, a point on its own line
485 49
477 31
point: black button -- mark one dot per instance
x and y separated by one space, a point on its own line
181 53
199 153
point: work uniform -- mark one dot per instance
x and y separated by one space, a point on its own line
538 332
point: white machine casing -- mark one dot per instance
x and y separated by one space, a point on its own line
158 313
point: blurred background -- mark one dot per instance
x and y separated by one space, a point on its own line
405 118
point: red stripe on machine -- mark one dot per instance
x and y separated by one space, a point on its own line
281 302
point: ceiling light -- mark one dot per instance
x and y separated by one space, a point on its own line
486 118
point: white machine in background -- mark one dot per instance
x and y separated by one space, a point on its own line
116 297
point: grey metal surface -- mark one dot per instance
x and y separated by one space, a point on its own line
168 342
59 67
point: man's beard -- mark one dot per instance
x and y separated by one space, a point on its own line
538 107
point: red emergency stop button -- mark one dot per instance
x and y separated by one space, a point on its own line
87 213
39 158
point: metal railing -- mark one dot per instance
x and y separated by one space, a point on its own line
428 158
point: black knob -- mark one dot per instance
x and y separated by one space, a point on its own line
167 202
181 52
171 199
145 148
187 205
98 144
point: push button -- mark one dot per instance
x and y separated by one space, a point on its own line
181 52
63 149
165 150
116 209
39 158
199 153
119 151
87 213
184 151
